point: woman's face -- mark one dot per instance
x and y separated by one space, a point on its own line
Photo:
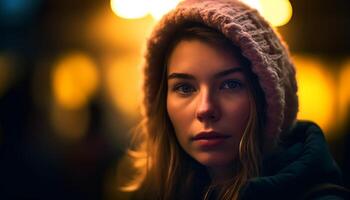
207 101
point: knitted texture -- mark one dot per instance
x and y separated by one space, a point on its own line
269 56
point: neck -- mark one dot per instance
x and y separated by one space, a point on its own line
220 174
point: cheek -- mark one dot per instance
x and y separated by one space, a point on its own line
237 112
180 115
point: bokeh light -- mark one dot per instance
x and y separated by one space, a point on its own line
344 91
316 91
74 80
159 7
118 33
277 12
253 3
156 8
123 78
130 9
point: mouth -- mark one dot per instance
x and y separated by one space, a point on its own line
211 135
211 139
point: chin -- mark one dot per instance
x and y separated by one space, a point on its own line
214 159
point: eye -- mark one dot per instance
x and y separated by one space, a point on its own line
184 88
231 84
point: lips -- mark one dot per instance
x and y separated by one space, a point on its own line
209 140
211 135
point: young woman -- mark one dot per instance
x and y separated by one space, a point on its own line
220 105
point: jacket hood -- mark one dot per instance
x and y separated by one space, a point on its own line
258 42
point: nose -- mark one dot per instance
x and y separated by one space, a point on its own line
207 108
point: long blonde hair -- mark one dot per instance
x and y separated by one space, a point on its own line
163 170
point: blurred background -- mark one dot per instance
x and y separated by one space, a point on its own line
70 86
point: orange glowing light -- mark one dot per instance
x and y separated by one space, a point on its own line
74 80
344 91
119 33
123 78
316 91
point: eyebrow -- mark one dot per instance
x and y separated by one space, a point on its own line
217 75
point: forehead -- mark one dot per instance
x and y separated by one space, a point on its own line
200 58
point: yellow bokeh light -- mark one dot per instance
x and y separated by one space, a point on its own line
344 91
127 9
74 79
316 92
159 7
276 12
130 9
124 83
253 3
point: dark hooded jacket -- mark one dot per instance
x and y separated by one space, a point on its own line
301 167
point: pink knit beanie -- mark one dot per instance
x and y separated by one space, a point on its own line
259 43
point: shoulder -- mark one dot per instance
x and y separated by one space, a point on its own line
301 130
300 163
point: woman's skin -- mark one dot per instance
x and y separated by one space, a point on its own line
208 93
